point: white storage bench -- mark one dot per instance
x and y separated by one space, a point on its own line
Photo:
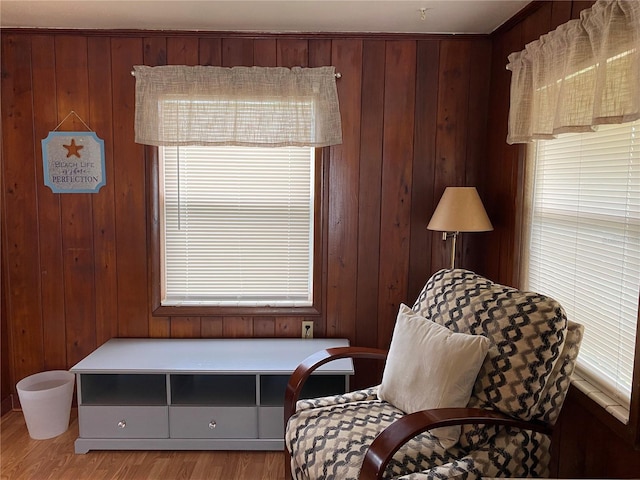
195 394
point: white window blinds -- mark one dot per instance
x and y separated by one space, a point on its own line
237 226
585 244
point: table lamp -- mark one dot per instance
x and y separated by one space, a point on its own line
459 210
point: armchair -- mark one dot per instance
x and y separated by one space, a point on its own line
506 424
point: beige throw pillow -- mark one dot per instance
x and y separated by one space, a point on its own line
429 366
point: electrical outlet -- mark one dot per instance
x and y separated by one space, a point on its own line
307 329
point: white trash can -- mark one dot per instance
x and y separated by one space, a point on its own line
46 402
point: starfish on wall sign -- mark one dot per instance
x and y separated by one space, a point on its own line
73 149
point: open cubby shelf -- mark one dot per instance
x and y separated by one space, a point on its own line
203 389
123 389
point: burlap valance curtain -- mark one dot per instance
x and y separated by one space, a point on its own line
249 106
584 73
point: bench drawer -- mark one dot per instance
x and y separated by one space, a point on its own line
123 422
213 422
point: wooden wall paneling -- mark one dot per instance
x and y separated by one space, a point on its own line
397 162
210 51
346 56
476 144
560 13
183 51
72 94
292 52
589 449
323 210
370 182
43 64
453 98
103 204
155 51
185 327
498 245
211 327
155 54
292 326
265 52
237 52
6 388
536 24
6 367
264 327
20 210
6 385
423 202
233 327
130 201
578 6
320 53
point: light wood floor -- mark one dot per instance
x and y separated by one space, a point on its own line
27 459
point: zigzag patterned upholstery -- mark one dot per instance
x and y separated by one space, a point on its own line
525 375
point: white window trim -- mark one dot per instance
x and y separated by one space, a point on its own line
612 406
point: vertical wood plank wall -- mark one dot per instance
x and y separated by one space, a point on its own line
419 114
76 266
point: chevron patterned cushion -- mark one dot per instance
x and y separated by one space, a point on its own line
526 330
558 385
511 453
330 441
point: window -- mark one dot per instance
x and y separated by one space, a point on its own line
236 195
237 226
585 244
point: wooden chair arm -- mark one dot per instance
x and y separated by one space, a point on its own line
389 441
313 362
305 369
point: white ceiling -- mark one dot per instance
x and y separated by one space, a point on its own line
442 16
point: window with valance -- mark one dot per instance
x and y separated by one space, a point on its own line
575 97
238 196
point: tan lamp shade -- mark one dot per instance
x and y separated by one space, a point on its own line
460 210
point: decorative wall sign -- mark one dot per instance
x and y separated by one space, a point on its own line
73 162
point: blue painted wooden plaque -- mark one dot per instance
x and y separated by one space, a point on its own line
73 162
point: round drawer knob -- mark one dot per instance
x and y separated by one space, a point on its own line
212 424
122 423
